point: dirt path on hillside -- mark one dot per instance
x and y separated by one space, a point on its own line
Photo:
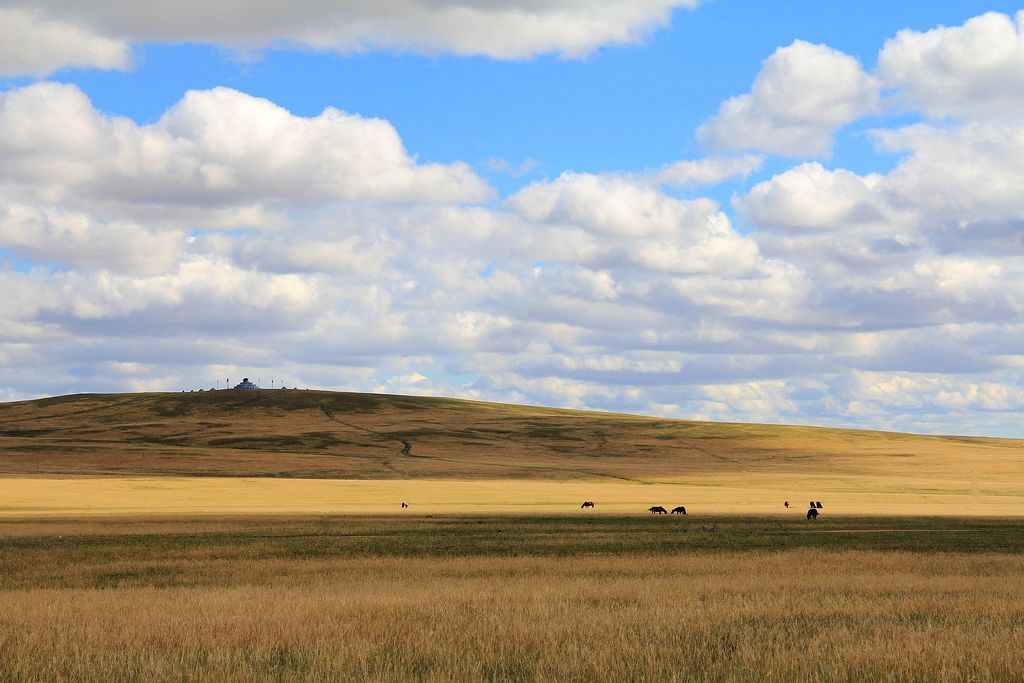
407 451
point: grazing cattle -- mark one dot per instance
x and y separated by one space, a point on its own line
404 505
818 505
812 514
811 504
679 510
587 504
786 504
658 510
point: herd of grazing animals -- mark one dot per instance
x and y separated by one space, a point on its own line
812 512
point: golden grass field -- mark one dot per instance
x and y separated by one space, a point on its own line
301 452
702 497
258 536
926 618
443 599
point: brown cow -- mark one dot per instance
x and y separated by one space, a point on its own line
812 514
679 510
587 504
658 510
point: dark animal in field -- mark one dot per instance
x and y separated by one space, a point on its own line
658 510
811 504
679 510
405 505
786 504
812 514
818 505
587 504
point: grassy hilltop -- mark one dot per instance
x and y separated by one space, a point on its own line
313 452
321 434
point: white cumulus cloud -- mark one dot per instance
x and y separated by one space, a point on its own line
33 44
607 204
78 239
43 35
215 147
973 70
802 95
709 171
809 196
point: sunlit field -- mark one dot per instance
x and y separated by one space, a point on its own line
321 434
310 452
702 496
711 313
259 536
502 599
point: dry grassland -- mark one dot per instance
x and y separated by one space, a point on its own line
309 452
240 600
702 496
310 434
494 573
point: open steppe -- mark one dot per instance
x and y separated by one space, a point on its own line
302 452
511 599
257 536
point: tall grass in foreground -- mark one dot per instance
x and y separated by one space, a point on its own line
792 615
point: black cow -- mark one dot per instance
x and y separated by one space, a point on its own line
812 514
786 504
404 505
587 504
818 505
658 510
679 510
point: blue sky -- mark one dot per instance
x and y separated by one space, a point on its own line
498 208
620 108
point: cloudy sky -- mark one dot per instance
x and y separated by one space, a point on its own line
793 211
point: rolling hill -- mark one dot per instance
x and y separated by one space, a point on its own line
320 434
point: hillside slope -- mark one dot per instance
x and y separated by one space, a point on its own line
318 434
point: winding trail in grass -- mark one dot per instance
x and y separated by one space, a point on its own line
406 444
407 450
710 453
